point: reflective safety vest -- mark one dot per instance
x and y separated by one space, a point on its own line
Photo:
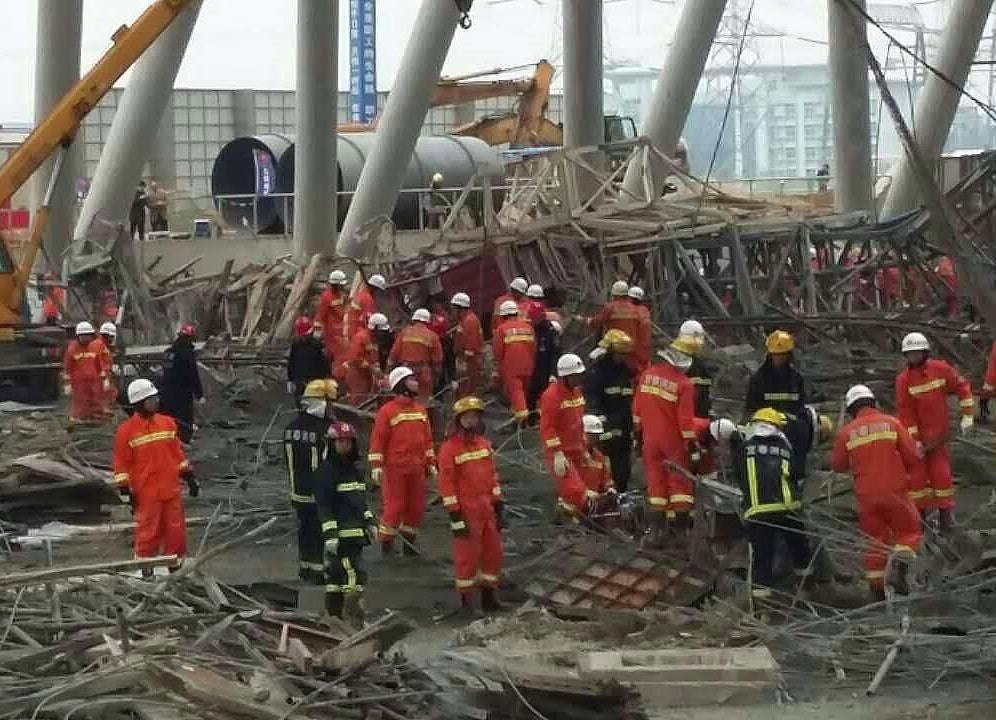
765 472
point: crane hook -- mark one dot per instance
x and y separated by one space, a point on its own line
464 7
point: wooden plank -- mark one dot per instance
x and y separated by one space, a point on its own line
179 271
343 659
118 566
212 301
300 655
299 294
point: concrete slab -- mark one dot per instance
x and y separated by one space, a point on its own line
680 665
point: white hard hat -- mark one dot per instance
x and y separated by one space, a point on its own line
377 281
619 288
461 299
858 392
636 292
108 329
693 328
508 308
399 374
337 277
569 364
139 390
437 178
378 321
915 341
535 291
722 429
84 328
593 425
519 285
421 315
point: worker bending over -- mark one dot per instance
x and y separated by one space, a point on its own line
468 346
182 381
362 365
331 315
514 346
922 390
347 525
609 396
471 492
85 376
516 294
148 465
417 347
880 454
401 460
307 358
595 468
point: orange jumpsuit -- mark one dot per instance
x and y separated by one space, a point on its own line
880 454
55 300
922 406
989 382
596 472
361 307
331 315
148 460
419 348
468 345
468 484
362 366
497 319
946 271
110 389
707 456
663 410
561 429
401 445
83 370
514 345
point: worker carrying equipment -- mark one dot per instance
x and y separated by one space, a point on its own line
471 493
878 451
609 396
307 358
514 347
85 375
516 294
764 466
401 460
362 362
347 525
561 409
922 390
468 346
181 384
304 441
331 315
418 347
148 465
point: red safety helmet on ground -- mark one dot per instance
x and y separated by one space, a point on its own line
303 326
187 329
341 431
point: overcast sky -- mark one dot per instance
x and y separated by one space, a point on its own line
250 43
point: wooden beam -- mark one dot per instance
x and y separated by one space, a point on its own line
39 577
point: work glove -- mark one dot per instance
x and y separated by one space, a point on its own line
290 387
107 384
967 423
376 476
500 514
559 464
332 547
458 525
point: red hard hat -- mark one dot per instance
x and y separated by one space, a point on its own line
342 431
303 326
187 329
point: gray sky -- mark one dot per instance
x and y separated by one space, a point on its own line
250 43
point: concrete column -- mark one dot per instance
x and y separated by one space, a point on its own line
852 185
936 106
57 68
162 162
583 94
401 122
129 144
244 112
315 146
676 87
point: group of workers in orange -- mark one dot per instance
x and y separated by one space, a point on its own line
88 373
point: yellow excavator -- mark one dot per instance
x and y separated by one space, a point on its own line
24 372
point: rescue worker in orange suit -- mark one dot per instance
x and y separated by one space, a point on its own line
644 339
880 454
595 467
663 410
442 325
533 306
609 395
946 271
514 345
922 390
710 434
304 443
698 373
363 374
84 375
468 346
516 294
307 359
367 300
401 460
620 314
110 362
347 524
55 300
561 409
331 315
418 347
471 492
148 465
182 381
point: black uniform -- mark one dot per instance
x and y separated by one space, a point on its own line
136 214
304 443
306 361
609 394
784 390
547 352
701 376
341 498
766 474
181 385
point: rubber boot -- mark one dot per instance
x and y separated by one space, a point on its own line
410 546
657 538
946 520
489 600
334 604
467 608
353 610
387 547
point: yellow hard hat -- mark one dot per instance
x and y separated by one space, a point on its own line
466 404
617 341
769 415
325 389
686 344
779 342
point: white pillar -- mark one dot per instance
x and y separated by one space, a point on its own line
136 123
583 94
936 106
676 87
401 122
162 162
315 170
57 68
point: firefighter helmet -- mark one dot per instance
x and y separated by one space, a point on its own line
686 344
303 326
322 389
466 404
569 364
341 431
617 341
770 416
915 342
187 330
779 342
